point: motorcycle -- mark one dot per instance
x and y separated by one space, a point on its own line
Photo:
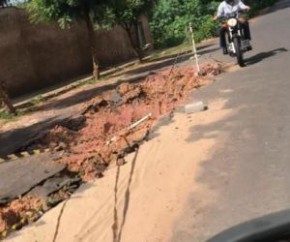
237 44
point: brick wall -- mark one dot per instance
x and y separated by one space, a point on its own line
37 56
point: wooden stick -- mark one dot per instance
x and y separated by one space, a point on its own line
140 121
132 126
194 48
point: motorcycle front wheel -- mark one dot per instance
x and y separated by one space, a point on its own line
239 53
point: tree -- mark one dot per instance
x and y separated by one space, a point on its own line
126 13
170 20
5 100
64 12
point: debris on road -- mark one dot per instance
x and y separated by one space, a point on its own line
195 107
123 116
26 174
108 119
18 213
134 125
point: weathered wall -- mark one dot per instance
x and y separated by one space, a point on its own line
36 56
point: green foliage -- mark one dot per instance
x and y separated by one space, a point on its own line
210 7
127 12
102 12
207 28
256 6
170 21
38 99
66 11
6 116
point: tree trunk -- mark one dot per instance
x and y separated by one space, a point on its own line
93 46
5 100
134 44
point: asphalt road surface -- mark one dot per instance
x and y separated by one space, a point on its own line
250 173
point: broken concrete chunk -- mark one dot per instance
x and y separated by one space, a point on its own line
20 176
195 107
75 122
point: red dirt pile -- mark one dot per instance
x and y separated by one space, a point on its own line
103 133
108 117
17 213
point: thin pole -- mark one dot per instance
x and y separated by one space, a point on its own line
194 48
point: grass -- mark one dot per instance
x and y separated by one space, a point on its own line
163 53
38 99
6 116
94 81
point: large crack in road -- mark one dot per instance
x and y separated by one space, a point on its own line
84 145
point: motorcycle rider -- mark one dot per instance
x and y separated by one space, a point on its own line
225 9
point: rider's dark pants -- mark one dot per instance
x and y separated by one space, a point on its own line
245 27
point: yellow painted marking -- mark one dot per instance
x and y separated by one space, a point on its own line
12 157
36 152
25 153
23 221
47 150
14 227
4 234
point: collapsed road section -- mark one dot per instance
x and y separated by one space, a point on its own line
82 146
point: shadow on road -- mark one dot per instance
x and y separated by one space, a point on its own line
85 95
170 61
264 55
199 50
134 77
14 139
251 134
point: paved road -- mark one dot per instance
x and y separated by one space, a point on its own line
249 173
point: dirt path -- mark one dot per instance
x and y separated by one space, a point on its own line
143 198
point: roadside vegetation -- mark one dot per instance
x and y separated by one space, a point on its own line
115 122
169 21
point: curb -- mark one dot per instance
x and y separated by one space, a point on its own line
58 91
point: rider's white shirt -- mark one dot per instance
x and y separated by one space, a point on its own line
225 9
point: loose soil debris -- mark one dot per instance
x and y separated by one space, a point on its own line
110 115
18 213
100 135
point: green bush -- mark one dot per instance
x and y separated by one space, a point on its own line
170 19
207 28
258 5
6 116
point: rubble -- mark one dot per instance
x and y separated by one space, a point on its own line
107 117
124 117
18 213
